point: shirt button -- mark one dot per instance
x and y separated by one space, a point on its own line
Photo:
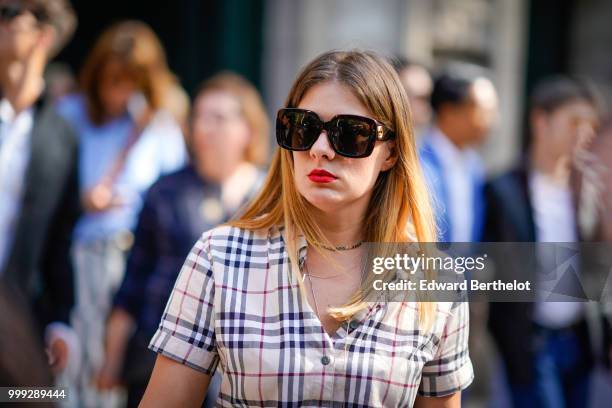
325 360
353 324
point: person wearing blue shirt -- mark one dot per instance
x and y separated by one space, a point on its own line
464 104
228 141
127 141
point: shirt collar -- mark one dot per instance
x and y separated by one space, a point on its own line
7 109
302 250
302 244
447 149
442 143
19 123
7 113
542 185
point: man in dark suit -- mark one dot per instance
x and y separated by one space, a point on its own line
38 168
545 345
22 361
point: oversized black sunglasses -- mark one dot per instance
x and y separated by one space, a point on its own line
349 135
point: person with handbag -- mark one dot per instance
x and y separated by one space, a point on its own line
128 140
228 140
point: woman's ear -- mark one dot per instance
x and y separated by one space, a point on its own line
391 158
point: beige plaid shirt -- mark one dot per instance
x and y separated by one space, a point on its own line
236 304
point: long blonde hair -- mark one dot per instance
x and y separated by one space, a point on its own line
399 210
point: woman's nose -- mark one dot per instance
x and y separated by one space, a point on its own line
322 148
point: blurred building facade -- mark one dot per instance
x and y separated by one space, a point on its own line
518 41
491 33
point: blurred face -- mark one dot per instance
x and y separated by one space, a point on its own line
418 85
220 134
20 31
472 120
567 129
325 179
115 88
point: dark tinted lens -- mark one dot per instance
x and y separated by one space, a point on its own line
297 130
352 137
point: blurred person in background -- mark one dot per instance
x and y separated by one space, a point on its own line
545 345
39 202
60 81
592 182
127 141
418 84
22 358
228 141
464 103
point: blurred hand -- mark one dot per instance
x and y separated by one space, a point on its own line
108 377
25 82
119 328
101 198
57 352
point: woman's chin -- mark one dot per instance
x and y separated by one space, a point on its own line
326 203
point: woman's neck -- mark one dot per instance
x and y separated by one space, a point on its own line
342 228
556 168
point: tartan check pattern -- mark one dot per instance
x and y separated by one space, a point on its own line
236 306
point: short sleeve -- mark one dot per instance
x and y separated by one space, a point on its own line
451 368
186 332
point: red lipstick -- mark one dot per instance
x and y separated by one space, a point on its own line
321 176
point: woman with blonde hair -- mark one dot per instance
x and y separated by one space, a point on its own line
278 297
228 143
128 139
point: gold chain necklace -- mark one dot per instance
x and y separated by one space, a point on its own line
342 247
304 274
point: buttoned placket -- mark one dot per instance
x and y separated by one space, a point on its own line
329 357
336 357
